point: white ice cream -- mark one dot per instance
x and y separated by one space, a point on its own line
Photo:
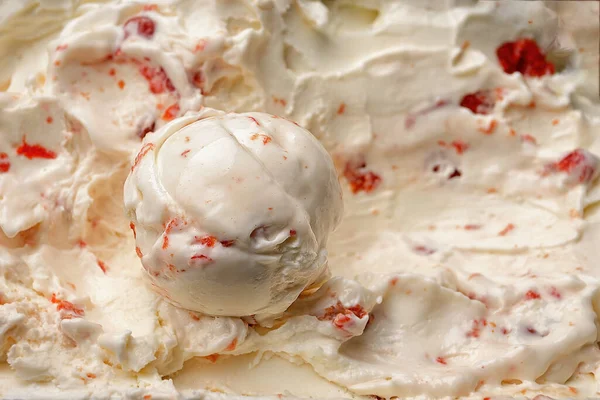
232 212
466 261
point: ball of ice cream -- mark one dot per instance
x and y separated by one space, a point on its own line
231 212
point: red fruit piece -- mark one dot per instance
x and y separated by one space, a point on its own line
232 345
524 56
438 163
102 265
157 78
32 151
580 165
359 178
480 102
472 227
66 306
531 330
476 327
340 315
208 241
198 81
455 174
171 112
458 145
357 310
4 163
141 25
532 295
172 224
340 320
212 358
506 230
265 139
146 129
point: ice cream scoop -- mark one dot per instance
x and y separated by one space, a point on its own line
231 212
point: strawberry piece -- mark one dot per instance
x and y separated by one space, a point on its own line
141 25
480 102
340 315
4 163
524 56
208 241
157 78
66 306
532 295
171 112
361 179
580 165
32 151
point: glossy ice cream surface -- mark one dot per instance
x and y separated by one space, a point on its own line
232 212
465 135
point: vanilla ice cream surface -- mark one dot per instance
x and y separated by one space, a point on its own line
231 213
465 137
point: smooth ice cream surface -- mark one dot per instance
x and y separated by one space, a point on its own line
232 212
465 136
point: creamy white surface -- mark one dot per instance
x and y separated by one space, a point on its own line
485 284
232 212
